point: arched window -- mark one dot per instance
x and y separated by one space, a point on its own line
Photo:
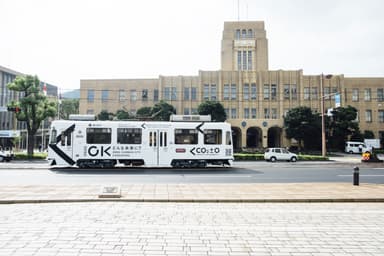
243 33
250 33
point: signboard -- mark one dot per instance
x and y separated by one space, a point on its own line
337 100
9 134
3 109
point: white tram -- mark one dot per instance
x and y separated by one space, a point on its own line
185 141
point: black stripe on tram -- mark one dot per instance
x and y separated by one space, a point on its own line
58 151
64 156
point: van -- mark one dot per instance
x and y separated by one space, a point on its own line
356 147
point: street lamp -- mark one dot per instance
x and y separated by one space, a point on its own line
323 139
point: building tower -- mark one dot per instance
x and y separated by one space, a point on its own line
244 46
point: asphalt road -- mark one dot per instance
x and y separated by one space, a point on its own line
243 172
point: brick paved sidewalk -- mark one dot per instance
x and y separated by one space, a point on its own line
211 229
282 192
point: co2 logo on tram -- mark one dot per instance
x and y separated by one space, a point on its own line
207 151
95 151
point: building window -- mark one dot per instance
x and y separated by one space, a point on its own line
144 94
91 95
233 113
186 93
306 93
266 113
326 93
381 116
90 112
246 92
238 60
380 94
237 34
266 92
193 93
274 113
206 92
246 113
253 91
355 94
249 60
186 111
250 33
368 116
213 92
121 95
174 93
194 111
314 95
244 33
367 94
226 92
294 91
273 91
244 60
167 93
133 95
155 95
253 113
104 95
286 91
233 91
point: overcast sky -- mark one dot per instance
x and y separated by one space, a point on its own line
65 41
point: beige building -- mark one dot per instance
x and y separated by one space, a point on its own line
254 97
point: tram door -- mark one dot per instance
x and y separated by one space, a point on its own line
158 144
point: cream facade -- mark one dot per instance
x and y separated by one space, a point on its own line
254 97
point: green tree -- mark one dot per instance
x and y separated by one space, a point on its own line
122 115
368 134
304 126
144 112
34 105
341 125
105 115
162 110
68 107
213 108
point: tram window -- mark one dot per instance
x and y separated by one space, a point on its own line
228 139
129 135
62 138
99 135
69 139
52 139
212 136
186 136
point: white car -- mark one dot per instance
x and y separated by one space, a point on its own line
6 155
279 154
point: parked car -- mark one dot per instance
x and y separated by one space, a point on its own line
279 154
356 147
6 155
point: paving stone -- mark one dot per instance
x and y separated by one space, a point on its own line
121 228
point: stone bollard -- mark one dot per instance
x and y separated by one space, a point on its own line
356 176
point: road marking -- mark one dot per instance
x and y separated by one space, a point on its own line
378 168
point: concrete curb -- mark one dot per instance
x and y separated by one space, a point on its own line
96 200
